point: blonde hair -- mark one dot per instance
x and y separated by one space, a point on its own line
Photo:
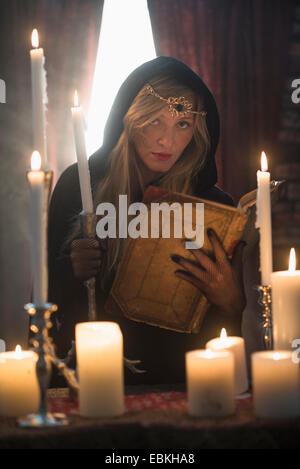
124 175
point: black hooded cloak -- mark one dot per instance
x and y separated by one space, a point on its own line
162 351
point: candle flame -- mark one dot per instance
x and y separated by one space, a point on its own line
76 99
276 356
18 351
263 162
223 334
35 161
292 261
35 38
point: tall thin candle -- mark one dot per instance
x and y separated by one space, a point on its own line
83 167
39 97
38 228
263 221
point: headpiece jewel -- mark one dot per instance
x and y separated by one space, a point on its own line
179 107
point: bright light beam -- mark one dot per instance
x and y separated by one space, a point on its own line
126 41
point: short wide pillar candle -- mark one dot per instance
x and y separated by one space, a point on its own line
275 379
19 389
286 305
99 348
236 345
210 383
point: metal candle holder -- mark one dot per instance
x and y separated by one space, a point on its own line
40 323
43 346
265 300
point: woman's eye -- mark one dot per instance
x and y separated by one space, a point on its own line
184 124
154 122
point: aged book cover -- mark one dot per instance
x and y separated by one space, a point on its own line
145 287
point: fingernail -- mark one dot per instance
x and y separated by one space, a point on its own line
175 258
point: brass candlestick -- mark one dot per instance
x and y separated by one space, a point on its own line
265 300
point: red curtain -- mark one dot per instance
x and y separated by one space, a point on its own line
240 49
69 32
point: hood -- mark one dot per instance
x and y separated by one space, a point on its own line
98 162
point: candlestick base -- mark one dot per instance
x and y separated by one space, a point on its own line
265 300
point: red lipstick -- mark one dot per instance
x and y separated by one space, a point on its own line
162 156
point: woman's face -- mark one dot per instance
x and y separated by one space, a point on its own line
161 143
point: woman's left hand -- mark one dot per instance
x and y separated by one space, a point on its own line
220 280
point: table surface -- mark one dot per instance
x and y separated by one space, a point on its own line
156 418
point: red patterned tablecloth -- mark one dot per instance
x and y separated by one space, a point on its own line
59 401
154 418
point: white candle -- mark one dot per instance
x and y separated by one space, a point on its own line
99 348
263 221
38 231
210 383
83 167
286 305
275 380
19 389
39 97
236 345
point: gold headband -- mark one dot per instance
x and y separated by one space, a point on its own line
179 107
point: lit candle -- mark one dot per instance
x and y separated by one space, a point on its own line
286 305
19 389
38 231
263 221
236 345
39 97
99 351
210 383
83 167
275 379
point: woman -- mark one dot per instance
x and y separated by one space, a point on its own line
163 130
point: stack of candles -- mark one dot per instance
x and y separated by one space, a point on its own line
275 374
215 375
276 387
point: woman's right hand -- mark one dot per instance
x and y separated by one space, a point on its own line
86 257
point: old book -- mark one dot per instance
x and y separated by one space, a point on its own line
145 287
